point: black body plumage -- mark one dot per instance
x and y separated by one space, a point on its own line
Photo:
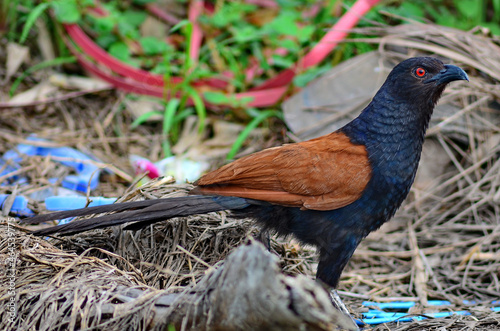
391 128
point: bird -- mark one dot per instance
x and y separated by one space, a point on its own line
329 192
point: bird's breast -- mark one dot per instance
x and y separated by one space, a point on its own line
394 165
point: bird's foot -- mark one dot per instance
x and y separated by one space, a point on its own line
339 305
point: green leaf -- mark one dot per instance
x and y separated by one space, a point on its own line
244 101
66 11
167 150
152 45
179 25
188 32
104 25
245 34
412 10
289 44
161 69
436 13
199 106
305 33
183 114
106 40
284 24
128 30
119 50
32 17
409 10
41 65
168 116
281 61
144 117
230 13
235 65
445 20
257 52
168 122
216 98
219 98
142 2
133 17
471 9
496 10
252 125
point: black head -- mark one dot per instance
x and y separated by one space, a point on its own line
421 80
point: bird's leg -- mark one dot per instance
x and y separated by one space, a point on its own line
339 305
333 258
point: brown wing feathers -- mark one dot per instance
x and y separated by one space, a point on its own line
320 174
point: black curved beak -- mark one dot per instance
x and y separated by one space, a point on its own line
448 74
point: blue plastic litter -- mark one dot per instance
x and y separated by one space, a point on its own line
75 202
87 172
403 304
7 170
404 317
87 177
377 315
20 205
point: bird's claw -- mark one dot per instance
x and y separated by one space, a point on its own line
340 306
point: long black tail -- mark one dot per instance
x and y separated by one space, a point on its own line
139 213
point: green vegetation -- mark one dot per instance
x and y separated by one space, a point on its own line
176 109
237 36
460 14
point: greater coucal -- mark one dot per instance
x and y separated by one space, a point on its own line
330 192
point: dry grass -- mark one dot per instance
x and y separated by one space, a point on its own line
57 289
442 244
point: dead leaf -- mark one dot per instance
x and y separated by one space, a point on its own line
40 91
77 82
143 105
16 55
44 41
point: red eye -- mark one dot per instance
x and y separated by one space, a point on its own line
420 72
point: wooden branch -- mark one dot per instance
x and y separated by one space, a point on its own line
249 292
